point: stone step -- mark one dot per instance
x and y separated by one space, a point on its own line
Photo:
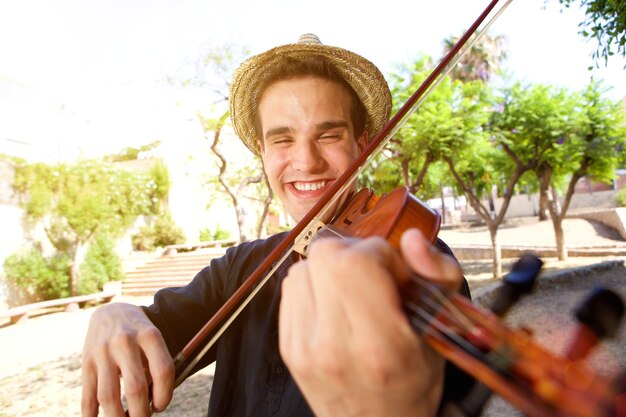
172 270
173 264
164 271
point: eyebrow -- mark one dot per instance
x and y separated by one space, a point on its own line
332 124
277 131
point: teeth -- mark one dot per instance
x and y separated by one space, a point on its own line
309 186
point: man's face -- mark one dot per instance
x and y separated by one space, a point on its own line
308 139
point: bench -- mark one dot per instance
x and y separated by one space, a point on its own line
21 313
188 247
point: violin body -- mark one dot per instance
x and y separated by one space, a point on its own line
387 216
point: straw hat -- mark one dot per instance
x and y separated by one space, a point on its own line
364 77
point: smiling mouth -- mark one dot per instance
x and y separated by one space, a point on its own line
309 186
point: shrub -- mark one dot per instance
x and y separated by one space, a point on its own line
620 197
207 235
143 240
101 264
38 277
164 232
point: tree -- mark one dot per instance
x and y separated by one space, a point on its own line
480 169
588 142
437 128
77 202
236 183
481 61
605 21
212 73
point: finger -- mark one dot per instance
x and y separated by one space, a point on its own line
109 396
362 272
160 366
428 261
297 315
329 279
89 400
130 361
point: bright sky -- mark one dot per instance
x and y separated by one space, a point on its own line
104 61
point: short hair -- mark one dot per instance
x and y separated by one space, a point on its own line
318 66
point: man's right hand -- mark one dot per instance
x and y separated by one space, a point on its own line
122 342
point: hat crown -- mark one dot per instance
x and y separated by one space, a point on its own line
309 39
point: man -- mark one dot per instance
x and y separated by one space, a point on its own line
326 335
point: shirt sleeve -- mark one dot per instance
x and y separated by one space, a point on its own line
180 312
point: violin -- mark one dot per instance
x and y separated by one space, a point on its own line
504 360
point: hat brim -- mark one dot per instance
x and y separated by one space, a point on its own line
363 76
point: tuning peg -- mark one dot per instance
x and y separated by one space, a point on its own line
599 316
519 281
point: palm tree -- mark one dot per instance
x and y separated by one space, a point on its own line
481 62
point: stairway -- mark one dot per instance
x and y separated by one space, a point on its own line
170 270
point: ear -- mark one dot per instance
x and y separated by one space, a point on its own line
362 141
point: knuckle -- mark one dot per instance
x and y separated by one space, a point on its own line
378 369
331 366
136 386
87 405
297 361
123 341
148 334
329 359
297 269
164 371
107 397
322 248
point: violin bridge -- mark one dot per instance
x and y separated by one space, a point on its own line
302 242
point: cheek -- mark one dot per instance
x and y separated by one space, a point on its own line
346 157
273 165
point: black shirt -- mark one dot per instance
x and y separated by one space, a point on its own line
250 377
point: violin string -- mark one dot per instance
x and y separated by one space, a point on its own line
427 323
444 300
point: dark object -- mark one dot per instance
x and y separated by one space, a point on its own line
518 282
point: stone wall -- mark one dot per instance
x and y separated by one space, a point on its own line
615 218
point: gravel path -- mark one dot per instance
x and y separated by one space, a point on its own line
40 361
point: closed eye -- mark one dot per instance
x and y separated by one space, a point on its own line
280 141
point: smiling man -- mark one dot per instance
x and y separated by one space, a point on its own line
325 336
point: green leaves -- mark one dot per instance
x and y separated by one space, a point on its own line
605 21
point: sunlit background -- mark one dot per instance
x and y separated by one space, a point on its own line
82 78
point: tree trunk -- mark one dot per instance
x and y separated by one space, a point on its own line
266 206
556 200
544 199
543 207
443 205
497 250
561 249
75 268
241 221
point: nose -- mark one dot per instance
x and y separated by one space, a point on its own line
307 157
